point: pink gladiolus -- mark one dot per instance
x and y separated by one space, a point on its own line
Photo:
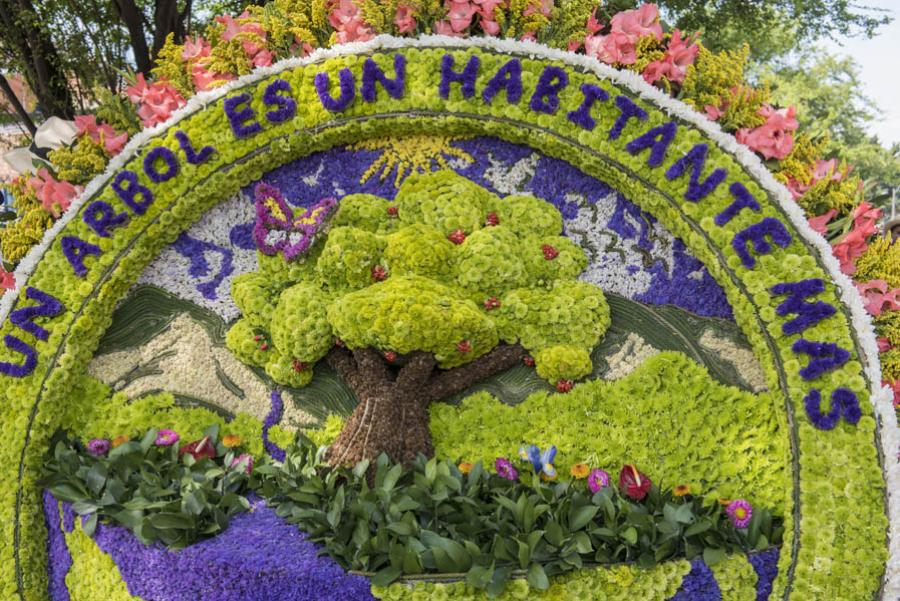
849 249
820 223
348 22
865 217
112 141
773 138
884 345
7 280
680 54
895 386
405 19
617 47
822 170
195 49
638 22
878 297
157 100
55 196
593 25
444 28
459 14
204 79
713 112
545 7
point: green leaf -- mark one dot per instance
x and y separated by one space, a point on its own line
713 556
90 525
360 469
537 578
554 533
698 527
580 517
390 479
630 535
164 521
386 576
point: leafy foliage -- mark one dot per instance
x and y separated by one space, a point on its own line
152 490
432 518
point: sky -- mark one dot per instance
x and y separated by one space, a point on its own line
878 59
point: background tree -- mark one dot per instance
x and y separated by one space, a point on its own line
416 300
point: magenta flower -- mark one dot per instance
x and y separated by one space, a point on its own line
597 479
505 469
98 447
166 438
740 512
243 460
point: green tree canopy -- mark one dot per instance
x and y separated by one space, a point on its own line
448 279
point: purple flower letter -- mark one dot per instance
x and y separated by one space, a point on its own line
373 74
47 306
843 404
628 110
287 106
757 233
193 157
128 189
509 76
582 116
808 314
466 78
546 95
168 157
696 159
742 200
238 117
657 140
17 346
348 90
76 250
101 217
826 356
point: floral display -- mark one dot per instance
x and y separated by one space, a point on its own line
530 179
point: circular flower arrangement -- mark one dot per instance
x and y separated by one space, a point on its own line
489 221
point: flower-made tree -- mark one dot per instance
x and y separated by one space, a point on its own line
414 300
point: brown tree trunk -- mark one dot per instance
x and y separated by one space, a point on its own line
392 415
133 18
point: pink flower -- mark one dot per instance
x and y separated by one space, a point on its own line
680 54
773 138
617 47
166 438
244 460
638 22
865 217
55 196
740 512
822 170
878 297
157 100
545 7
195 49
597 479
459 14
713 112
251 34
405 19
895 386
348 22
204 79
820 223
7 280
112 141
884 345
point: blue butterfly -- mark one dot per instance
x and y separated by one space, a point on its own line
542 462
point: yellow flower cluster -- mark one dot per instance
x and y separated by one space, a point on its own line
881 261
80 162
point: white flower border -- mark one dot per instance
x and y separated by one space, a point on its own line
881 397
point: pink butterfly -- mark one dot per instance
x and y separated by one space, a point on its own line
277 230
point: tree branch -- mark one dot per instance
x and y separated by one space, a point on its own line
372 369
415 373
341 361
452 381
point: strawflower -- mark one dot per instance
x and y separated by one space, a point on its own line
505 469
98 447
166 438
740 512
598 479
230 441
120 440
465 467
580 471
681 490
633 483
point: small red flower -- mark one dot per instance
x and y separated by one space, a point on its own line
492 303
464 346
529 361
492 219
633 483
564 386
457 237
390 356
199 449
392 211
550 252
257 338
299 365
379 273
264 346
338 343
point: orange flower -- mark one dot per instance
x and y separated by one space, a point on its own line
231 440
465 467
681 490
120 439
580 470
723 501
